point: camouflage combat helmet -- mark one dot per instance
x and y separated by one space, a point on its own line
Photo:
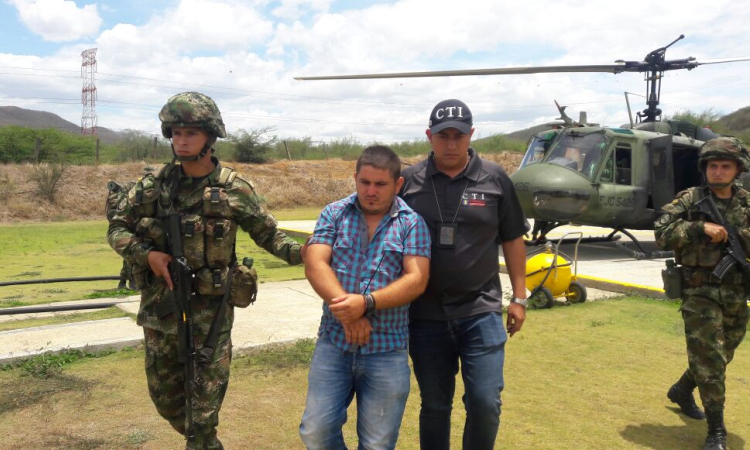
724 148
191 109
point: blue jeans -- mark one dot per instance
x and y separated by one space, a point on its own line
436 347
380 382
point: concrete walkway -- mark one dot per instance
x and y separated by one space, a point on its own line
291 310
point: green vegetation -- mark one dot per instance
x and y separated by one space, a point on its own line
736 124
350 148
23 144
253 146
49 365
80 249
113 293
593 375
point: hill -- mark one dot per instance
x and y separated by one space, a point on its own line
526 133
737 122
13 115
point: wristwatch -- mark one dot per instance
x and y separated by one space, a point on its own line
369 306
520 301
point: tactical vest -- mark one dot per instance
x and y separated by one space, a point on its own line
208 227
701 252
117 192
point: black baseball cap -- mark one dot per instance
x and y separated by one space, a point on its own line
451 114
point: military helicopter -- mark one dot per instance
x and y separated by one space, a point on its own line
587 174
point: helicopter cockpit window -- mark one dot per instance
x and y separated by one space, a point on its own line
537 147
622 164
618 167
580 152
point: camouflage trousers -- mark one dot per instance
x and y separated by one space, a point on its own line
716 318
125 272
165 376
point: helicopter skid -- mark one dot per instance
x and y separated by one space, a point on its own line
585 240
641 253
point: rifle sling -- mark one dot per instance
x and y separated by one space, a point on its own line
713 210
206 353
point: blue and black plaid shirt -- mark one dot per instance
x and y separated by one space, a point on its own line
379 262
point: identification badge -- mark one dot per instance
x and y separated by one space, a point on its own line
447 235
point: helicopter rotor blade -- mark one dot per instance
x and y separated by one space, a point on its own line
723 60
605 68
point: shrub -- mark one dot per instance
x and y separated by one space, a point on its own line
46 177
7 188
254 146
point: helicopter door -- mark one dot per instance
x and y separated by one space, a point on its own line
661 180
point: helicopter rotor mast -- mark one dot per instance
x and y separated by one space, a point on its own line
654 65
658 64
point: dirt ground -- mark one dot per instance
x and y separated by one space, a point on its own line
283 185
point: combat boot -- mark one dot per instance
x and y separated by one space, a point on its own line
717 433
681 393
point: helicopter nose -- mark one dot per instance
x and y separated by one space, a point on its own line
551 192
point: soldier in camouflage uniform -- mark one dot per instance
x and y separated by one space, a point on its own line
213 202
714 310
117 192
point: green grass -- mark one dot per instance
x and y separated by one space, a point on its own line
112 293
80 249
307 213
108 313
589 376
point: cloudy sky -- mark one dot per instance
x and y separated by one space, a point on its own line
244 54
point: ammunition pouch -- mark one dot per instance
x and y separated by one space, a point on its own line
698 276
244 287
672 278
211 281
193 241
220 238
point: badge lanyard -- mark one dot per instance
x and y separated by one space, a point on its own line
447 231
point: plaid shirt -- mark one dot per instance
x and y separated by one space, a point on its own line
378 263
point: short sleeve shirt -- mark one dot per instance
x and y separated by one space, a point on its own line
364 267
464 280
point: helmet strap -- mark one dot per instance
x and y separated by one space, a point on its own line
720 185
206 147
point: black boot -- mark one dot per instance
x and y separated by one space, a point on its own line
682 394
122 284
717 433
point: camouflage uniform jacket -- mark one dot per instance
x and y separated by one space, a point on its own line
135 229
680 229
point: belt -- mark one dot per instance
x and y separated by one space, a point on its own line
698 276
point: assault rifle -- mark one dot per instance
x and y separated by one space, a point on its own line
735 254
182 280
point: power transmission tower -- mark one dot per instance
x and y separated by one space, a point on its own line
89 120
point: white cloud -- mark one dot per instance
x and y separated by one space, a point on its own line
192 27
294 9
58 20
240 54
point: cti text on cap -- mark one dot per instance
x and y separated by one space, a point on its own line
451 113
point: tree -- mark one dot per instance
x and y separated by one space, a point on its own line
136 145
24 144
16 144
253 147
47 177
